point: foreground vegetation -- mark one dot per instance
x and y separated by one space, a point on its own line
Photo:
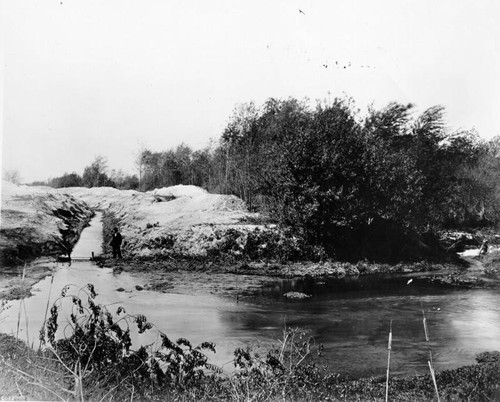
29 375
96 362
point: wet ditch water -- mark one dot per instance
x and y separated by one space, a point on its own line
349 317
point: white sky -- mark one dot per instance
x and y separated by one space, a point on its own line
89 77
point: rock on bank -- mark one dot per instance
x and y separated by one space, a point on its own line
37 221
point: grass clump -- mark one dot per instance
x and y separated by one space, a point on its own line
17 289
491 260
30 375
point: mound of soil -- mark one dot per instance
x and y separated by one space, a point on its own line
178 220
38 221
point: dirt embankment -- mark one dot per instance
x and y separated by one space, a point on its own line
186 228
38 221
182 221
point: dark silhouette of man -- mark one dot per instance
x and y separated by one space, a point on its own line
484 248
116 243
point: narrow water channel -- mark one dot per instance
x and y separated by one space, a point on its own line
350 318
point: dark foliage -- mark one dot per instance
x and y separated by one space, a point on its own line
341 182
66 180
96 348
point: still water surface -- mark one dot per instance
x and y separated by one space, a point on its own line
350 318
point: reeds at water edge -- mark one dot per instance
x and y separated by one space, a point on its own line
430 363
389 347
48 303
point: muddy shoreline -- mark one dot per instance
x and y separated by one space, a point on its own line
194 276
16 282
198 276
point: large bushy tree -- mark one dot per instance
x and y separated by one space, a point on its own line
12 176
328 172
66 180
95 175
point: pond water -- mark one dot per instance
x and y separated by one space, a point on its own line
350 318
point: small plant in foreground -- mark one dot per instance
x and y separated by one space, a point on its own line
286 370
430 362
95 348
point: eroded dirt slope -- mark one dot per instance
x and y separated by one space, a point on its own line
179 220
37 221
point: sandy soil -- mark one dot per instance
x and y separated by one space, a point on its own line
177 220
38 221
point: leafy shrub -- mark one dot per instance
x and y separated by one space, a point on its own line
288 371
268 244
179 363
488 357
96 347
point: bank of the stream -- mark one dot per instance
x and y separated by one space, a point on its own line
216 231
474 272
38 222
449 269
16 282
45 375
470 273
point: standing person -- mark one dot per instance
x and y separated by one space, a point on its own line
116 243
484 248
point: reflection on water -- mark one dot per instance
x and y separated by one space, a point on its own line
90 240
351 318
354 326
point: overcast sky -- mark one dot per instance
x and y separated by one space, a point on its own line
105 77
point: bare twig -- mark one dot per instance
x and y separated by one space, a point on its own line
283 343
79 380
45 368
34 380
90 357
132 395
26 323
47 389
431 368
19 318
236 393
237 285
60 361
433 375
122 381
47 307
19 389
389 347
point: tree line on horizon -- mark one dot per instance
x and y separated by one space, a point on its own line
326 168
